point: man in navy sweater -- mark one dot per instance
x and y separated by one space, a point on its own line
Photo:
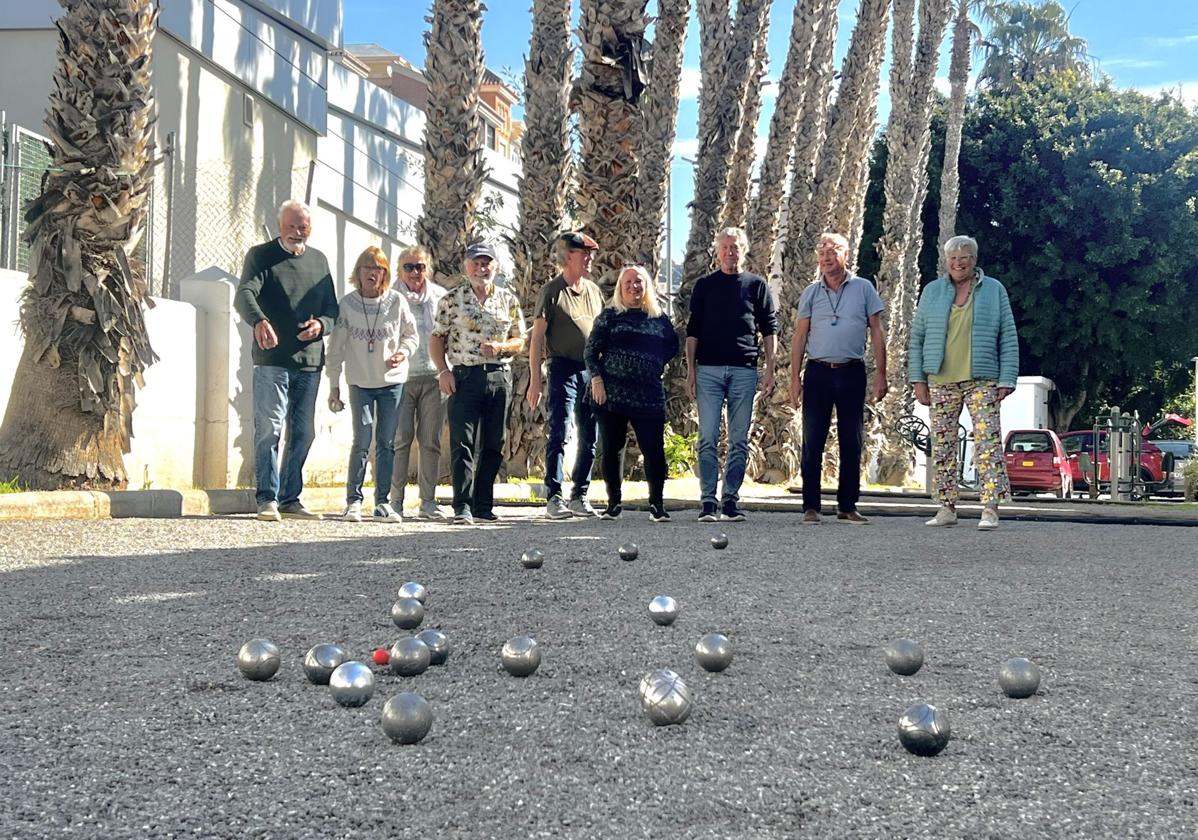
728 308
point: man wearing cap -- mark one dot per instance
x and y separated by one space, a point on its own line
566 308
479 328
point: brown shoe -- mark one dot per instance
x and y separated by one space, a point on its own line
811 517
852 518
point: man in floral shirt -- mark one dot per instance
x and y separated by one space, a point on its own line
479 328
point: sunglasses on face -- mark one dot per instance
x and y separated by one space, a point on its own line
414 266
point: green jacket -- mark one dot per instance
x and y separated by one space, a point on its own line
994 347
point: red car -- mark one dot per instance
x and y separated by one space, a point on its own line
1036 463
1152 459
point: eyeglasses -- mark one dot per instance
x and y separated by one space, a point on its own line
414 266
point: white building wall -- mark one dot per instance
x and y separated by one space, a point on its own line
24 91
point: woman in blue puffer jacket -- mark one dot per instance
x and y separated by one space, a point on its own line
964 353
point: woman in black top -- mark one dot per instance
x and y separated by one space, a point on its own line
630 343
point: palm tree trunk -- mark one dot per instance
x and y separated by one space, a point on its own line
546 148
715 39
737 200
958 77
790 110
610 119
660 125
69 419
453 159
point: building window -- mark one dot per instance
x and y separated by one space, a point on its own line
247 110
490 138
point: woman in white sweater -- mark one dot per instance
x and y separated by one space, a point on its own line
373 339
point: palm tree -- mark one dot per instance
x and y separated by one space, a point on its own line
660 125
736 202
69 421
607 98
908 144
715 38
453 162
790 112
1028 40
965 32
548 77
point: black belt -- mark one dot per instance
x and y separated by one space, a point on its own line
483 366
835 365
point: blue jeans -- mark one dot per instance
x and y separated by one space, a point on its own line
374 411
716 385
283 399
568 384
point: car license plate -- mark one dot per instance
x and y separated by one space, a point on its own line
1029 463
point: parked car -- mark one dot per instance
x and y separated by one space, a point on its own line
1182 451
1152 459
1036 463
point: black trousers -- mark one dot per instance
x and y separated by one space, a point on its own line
477 422
825 388
650 437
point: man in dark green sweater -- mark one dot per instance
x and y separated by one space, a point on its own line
286 294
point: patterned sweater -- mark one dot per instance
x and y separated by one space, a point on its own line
368 331
629 351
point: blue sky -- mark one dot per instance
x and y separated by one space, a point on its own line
1151 45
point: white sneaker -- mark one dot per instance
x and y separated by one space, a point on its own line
269 512
581 507
989 520
433 512
353 512
555 508
944 517
386 513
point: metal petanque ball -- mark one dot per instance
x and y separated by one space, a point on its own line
628 551
665 698
352 684
532 559
409 657
1019 677
713 652
258 659
719 542
412 589
923 729
437 644
407 718
407 613
520 656
904 656
663 610
321 661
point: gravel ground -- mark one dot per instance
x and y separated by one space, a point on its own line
122 713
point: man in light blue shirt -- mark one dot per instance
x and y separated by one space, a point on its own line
834 315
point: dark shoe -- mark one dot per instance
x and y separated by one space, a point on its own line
486 516
811 517
731 513
296 510
657 513
709 512
612 511
463 517
851 517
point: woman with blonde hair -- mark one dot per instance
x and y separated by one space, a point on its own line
630 344
373 339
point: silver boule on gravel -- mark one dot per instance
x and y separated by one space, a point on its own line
407 613
532 559
258 659
1019 677
663 610
713 652
409 657
520 656
719 541
904 656
320 662
412 589
629 551
407 718
665 698
437 644
923 729
351 684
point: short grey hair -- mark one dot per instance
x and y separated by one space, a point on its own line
961 243
742 238
832 236
298 206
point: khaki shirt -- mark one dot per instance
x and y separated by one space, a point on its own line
568 316
465 323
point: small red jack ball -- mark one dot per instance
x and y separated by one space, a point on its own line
381 657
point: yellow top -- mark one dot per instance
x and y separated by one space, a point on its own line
958 342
